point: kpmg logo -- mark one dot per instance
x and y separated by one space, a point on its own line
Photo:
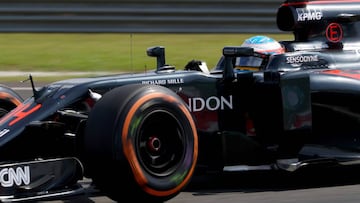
308 14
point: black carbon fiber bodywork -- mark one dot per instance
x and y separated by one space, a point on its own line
301 109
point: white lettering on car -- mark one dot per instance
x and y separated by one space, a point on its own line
19 176
4 132
154 82
301 59
172 81
212 103
175 81
308 14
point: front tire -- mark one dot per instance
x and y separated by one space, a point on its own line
9 100
144 139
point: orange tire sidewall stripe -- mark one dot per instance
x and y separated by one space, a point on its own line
130 152
9 97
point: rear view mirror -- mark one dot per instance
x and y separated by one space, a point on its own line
238 51
159 53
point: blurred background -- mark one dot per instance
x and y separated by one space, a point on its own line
139 16
112 35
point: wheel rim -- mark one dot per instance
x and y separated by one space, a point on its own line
160 146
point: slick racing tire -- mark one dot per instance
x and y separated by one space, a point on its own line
9 99
141 143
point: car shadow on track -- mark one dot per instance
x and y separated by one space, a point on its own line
243 182
264 181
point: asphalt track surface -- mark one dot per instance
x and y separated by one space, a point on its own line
307 186
262 187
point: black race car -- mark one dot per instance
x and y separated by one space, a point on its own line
144 135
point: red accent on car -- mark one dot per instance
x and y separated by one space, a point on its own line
349 73
19 113
334 32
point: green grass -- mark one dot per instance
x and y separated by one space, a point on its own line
110 52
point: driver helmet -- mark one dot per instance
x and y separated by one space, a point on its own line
262 44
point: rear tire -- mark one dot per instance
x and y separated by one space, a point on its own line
9 100
140 143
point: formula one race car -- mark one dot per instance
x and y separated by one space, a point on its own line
144 135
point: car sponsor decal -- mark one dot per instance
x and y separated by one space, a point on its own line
308 14
15 176
171 81
19 113
299 59
346 73
212 103
4 132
